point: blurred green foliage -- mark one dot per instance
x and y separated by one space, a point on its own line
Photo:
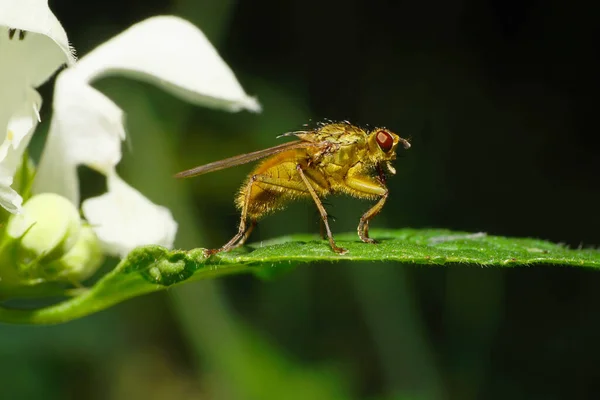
497 98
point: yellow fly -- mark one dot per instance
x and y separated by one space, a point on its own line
333 158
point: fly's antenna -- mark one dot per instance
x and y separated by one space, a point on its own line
405 143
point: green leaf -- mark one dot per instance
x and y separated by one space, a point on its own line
153 268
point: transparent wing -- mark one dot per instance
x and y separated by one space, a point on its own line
242 159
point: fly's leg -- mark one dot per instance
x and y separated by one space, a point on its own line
363 225
321 229
371 188
242 228
243 233
246 234
321 209
381 174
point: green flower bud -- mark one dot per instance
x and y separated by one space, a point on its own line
45 231
84 258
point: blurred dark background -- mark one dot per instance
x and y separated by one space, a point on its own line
499 99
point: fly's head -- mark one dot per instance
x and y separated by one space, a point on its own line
382 145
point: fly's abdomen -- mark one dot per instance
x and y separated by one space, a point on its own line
269 189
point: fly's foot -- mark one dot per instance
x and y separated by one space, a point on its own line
209 252
363 232
340 250
367 239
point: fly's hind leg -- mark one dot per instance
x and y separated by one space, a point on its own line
321 209
244 232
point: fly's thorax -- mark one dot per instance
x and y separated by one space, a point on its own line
347 155
341 133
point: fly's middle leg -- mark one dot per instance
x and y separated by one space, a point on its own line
321 209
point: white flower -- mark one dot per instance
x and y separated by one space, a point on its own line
33 45
87 127
139 221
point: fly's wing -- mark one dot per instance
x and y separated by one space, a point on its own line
242 159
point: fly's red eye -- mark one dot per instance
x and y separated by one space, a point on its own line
384 140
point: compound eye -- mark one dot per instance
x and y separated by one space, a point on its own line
384 140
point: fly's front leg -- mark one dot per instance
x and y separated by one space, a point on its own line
368 188
381 174
363 225
321 209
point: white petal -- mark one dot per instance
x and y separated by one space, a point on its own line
123 219
91 121
33 45
174 54
9 199
86 129
46 44
56 173
20 128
